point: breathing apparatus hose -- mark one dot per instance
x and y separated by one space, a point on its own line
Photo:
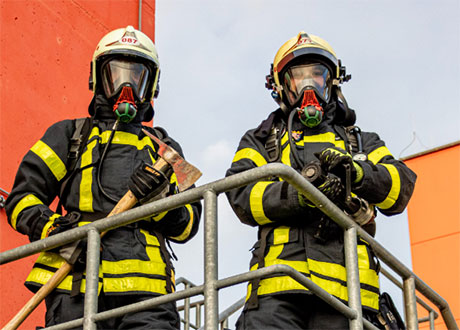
99 167
291 142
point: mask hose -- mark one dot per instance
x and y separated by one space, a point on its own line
291 142
99 167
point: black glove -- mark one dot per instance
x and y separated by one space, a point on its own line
331 187
73 252
64 223
332 160
148 184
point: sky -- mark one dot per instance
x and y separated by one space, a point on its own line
214 55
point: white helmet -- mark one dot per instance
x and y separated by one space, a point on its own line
125 56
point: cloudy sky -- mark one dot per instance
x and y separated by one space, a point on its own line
403 57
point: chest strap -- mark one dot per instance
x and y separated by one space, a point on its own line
253 301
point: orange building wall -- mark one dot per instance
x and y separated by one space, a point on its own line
46 49
434 224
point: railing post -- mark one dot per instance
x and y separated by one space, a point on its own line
211 321
410 303
431 317
353 284
92 279
187 310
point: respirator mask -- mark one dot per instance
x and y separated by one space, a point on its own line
126 82
308 90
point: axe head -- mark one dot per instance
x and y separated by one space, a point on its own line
186 173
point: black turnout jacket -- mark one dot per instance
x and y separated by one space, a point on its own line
287 230
133 258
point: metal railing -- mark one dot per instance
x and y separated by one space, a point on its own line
212 284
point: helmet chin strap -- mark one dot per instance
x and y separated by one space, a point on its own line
310 112
125 108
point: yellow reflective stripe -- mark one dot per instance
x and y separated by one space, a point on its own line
376 155
48 225
284 138
328 269
129 284
42 276
285 155
150 239
256 203
250 154
281 235
50 158
186 233
86 194
393 195
318 138
26 201
159 216
127 139
286 283
273 253
363 257
154 266
340 144
53 260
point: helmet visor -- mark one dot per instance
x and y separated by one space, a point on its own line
122 72
313 76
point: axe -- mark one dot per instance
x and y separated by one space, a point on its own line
186 174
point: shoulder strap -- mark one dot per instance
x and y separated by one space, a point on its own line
161 133
352 137
273 142
83 127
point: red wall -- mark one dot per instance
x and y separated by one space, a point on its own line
46 49
434 224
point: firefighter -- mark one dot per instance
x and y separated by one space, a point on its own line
115 156
313 125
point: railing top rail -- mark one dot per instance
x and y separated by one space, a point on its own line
219 186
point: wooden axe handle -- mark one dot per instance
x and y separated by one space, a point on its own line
125 203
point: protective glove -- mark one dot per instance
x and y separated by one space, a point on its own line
332 160
149 184
61 224
331 187
73 252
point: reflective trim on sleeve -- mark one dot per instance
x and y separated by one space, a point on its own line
48 225
26 201
250 154
376 155
256 202
50 158
86 194
186 233
393 195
